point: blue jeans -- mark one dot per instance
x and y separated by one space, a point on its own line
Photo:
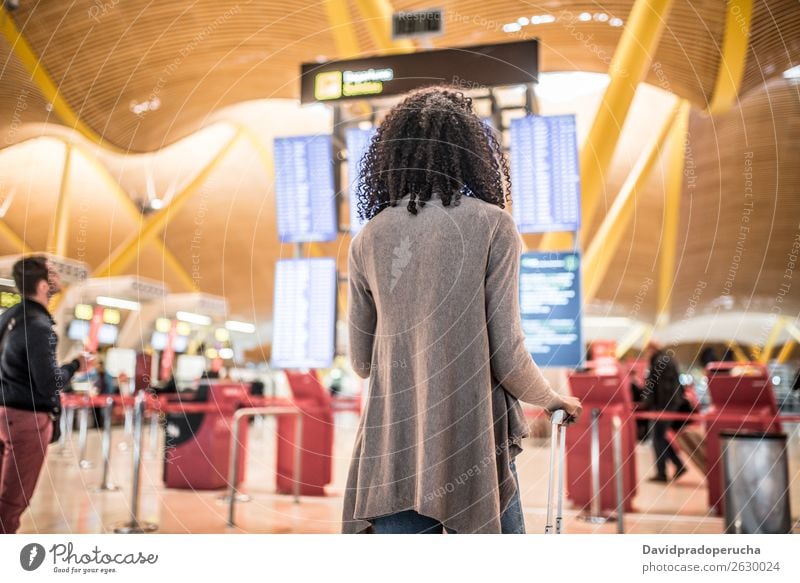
512 520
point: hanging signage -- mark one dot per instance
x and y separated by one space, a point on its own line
417 24
550 307
469 67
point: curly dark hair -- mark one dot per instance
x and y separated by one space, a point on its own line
432 143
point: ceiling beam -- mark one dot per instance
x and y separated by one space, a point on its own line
604 245
341 27
777 328
58 238
672 213
628 68
733 55
41 78
126 252
378 18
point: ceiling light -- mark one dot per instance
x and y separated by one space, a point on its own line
108 302
536 19
193 318
225 353
793 73
523 21
584 17
547 18
156 204
601 17
615 22
235 326
512 27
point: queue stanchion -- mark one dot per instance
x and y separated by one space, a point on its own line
595 515
134 525
233 474
127 426
619 487
62 439
83 437
155 418
105 484
69 424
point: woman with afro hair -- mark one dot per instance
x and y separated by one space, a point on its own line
434 324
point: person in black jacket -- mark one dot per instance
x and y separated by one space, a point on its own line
663 392
30 383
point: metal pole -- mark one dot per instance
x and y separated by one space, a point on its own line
155 418
108 411
618 474
128 426
561 471
69 423
595 462
83 437
135 526
62 440
298 458
595 515
233 467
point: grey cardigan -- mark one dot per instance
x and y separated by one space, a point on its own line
434 323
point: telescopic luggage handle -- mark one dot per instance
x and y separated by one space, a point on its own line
558 441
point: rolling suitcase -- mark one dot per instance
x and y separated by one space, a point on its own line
558 441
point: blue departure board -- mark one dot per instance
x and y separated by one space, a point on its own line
304 189
550 306
358 141
545 177
304 313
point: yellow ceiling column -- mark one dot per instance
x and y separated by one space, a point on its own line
733 55
378 18
672 212
116 190
604 245
629 65
58 239
766 352
344 36
738 352
41 78
786 350
126 252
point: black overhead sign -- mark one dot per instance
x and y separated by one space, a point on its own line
467 67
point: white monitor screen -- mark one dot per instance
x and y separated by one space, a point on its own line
545 174
78 330
107 334
304 189
358 141
304 315
158 341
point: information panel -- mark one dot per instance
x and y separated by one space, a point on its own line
358 141
304 189
545 174
304 315
550 306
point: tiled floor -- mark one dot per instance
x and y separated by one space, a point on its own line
66 502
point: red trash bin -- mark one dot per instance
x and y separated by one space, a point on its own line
311 397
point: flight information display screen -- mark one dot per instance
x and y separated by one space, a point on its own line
545 174
550 306
304 314
358 141
304 189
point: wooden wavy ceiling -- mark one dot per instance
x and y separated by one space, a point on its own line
199 57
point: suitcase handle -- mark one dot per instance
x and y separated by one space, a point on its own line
558 441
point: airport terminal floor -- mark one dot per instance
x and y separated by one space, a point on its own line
276 269
679 507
